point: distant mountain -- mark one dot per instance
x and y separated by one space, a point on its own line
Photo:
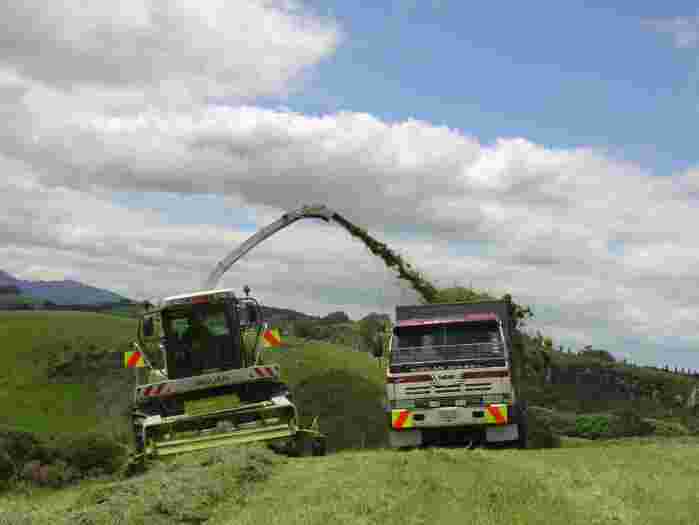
67 292
74 293
6 279
272 314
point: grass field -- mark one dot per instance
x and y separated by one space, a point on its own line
32 402
639 483
300 360
629 481
28 399
634 482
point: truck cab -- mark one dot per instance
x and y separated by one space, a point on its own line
449 377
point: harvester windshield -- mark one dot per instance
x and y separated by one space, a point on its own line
201 338
453 341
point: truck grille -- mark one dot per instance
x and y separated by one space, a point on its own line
442 353
440 390
484 399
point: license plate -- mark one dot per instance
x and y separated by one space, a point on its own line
447 415
211 404
502 433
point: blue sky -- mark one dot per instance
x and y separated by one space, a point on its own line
562 74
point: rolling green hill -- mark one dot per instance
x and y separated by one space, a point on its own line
35 343
28 343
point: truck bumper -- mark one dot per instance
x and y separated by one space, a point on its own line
403 419
452 435
463 425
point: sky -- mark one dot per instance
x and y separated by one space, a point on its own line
547 150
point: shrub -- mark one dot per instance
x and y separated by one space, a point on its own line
60 473
93 454
560 423
7 469
348 407
592 427
667 428
691 422
20 445
628 422
540 433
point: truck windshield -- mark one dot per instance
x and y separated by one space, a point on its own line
448 342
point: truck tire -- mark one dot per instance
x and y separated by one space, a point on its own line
522 426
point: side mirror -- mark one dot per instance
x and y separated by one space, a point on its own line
377 347
251 313
148 327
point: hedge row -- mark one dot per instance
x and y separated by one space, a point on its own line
58 460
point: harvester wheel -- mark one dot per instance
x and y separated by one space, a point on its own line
304 446
319 446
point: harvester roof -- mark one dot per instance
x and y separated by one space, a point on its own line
196 297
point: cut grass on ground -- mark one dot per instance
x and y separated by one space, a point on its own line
638 482
625 482
181 491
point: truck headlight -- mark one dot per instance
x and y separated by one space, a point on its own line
404 403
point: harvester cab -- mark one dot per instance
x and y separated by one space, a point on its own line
199 333
202 383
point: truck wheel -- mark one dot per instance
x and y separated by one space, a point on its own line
522 427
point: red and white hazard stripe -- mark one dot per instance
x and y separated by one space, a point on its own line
157 390
265 371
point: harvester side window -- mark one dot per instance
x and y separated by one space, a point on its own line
148 329
179 327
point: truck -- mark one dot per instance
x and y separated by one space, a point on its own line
449 376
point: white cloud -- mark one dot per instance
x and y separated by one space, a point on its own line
143 51
549 213
87 117
684 30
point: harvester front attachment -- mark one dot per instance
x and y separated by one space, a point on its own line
188 415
